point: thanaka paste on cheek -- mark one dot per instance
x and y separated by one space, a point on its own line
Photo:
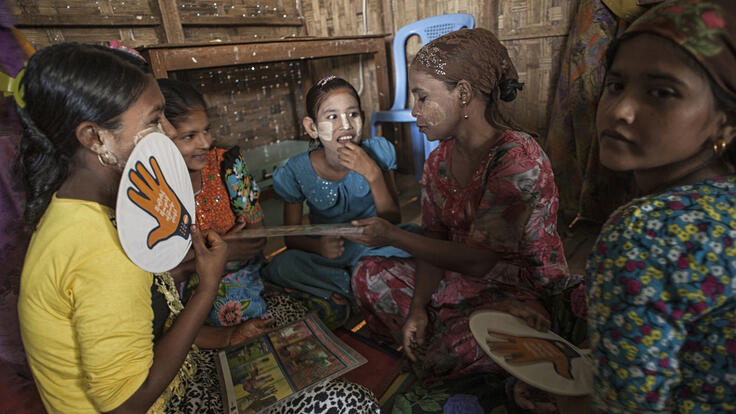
358 128
324 131
433 113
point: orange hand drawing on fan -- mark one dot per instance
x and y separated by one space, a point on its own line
154 195
526 350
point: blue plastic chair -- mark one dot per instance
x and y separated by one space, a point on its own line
427 29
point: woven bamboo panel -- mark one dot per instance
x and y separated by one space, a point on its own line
251 105
135 11
87 8
537 62
132 36
520 19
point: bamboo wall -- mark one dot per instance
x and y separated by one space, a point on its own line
533 30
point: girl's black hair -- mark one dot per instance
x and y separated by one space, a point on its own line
723 101
181 98
319 91
67 84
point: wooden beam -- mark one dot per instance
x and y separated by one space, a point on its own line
532 32
171 21
86 21
215 55
239 21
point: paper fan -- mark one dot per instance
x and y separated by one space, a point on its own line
541 359
155 205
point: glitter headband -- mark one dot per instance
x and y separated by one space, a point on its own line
429 58
114 44
322 82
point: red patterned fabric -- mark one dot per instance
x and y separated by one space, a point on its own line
509 207
213 202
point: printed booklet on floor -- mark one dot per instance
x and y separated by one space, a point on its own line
282 364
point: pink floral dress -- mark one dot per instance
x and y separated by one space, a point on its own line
510 208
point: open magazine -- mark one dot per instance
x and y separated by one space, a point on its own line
282 364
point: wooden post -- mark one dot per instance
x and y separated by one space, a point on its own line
171 21
382 80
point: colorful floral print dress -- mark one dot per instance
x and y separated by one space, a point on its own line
662 312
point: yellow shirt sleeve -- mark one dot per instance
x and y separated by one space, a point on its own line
85 311
112 320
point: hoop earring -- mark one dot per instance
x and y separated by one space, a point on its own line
719 148
101 159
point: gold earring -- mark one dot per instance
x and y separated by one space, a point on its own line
719 148
466 116
99 158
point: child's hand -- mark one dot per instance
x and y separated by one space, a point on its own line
331 247
353 157
211 252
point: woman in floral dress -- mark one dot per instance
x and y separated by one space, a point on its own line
662 275
489 210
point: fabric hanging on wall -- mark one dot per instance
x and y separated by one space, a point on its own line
587 189
13 237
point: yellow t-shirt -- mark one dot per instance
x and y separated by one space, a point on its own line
85 311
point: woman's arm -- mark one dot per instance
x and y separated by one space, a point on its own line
386 197
414 330
169 352
219 337
454 256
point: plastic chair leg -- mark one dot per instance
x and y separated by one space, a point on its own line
417 150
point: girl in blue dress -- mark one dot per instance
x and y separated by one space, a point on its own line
342 178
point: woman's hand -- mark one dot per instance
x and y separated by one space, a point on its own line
414 331
355 158
376 232
249 330
532 318
533 399
331 247
211 252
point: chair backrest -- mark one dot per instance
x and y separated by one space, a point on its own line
427 29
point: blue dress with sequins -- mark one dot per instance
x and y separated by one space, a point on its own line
328 202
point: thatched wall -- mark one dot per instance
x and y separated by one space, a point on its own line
259 108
